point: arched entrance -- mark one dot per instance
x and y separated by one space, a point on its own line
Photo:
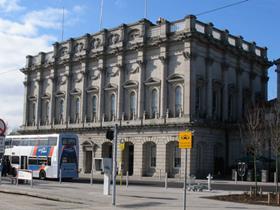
107 150
218 159
173 158
89 149
128 158
149 158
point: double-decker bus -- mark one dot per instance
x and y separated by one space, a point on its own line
46 155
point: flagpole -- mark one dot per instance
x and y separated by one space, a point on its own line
145 12
101 14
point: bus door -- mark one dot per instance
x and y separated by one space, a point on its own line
23 162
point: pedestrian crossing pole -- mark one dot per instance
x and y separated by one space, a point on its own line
115 146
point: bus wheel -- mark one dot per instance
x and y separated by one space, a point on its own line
42 175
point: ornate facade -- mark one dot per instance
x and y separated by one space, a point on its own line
153 80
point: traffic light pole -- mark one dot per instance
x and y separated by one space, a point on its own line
115 146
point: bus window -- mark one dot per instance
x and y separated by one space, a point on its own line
42 161
49 161
15 142
32 142
32 161
15 160
68 142
52 141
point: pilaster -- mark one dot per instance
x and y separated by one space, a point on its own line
163 89
140 97
208 65
225 67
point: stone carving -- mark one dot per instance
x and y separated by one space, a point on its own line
95 74
133 34
78 77
95 43
113 72
62 52
134 70
114 39
62 80
78 47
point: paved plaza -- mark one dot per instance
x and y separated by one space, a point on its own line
68 195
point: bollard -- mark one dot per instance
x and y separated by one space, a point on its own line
60 178
268 198
31 179
278 198
209 177
159 174
166 180
126 181
235 176
275 177
91 177
0 177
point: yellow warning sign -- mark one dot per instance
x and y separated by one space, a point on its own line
185 140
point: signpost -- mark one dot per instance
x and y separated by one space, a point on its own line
185 142
121 147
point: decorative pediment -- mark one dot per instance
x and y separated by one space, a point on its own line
130 84
46 96
75 91
111 86
134 70
62 51
113 72
152 81
92 89
60 93
175 78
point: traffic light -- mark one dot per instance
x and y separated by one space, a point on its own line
110 134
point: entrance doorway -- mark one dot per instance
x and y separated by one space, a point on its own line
128 158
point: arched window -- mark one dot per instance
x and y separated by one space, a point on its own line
94 106
178 101
77 106
153 155
113 106
132 104
177 156
61 109
47 110
154 104
33 117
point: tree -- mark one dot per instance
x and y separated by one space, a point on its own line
273 123
252 135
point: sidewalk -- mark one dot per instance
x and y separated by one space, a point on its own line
86 196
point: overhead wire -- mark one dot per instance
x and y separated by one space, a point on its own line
220 8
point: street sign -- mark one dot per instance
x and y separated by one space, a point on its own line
2 144
2 127
122 146
185 140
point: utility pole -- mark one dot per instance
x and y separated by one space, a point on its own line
115 146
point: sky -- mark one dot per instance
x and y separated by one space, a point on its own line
28 27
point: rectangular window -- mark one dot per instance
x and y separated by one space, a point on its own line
177 157
68 141
52 141
15 160
42 161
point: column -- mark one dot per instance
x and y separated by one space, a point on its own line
163 89
140 96
239 100
138 158
101 97
225 91
67 113
209 91
52 99
25 105
161 157
187 81
120 88
84 93
38 102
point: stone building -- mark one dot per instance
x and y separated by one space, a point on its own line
277 63
153 80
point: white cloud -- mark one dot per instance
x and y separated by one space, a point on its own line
17 40
10 5
121 3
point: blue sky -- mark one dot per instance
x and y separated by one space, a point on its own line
31 26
